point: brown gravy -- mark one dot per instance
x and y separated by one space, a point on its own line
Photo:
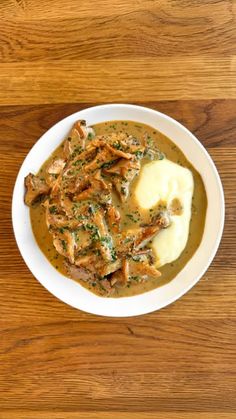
199 205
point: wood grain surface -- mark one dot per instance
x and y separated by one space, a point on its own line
178 57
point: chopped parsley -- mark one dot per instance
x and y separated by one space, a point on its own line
107 165
53 209
138 154
123 190
135 278
117 145
149 140
77 162
64 245
136 258
95 234
132 218
107 241
77 150
90 136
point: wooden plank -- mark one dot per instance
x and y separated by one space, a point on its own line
74 391
212 121
210 11
114 414
34 10
123 80
149 29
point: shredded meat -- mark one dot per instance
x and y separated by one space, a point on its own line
56 167
65 244
77 136
124 174
77 272
142 268
94 189
35 189
87 261
113 218
81 189
108 268
132 240
118 279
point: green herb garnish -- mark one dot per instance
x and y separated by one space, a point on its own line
90 136
53 209
138 154
64 245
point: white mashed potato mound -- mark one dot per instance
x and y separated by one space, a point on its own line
163 180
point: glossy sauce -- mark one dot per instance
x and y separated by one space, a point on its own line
131 213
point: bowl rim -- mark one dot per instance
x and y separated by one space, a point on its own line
131 311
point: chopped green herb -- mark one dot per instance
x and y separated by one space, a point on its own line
90 136
138 154
77 150
95 235
89 227
132 218
136 258
113 255
106 240
123 190
135 278
53 209
64 245
117 145
149 140
107 165
77 162
97 252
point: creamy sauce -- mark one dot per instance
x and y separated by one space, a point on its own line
142 212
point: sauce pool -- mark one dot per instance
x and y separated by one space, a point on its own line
199 206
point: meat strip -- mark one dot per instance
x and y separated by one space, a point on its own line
35 189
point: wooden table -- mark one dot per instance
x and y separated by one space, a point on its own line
59 57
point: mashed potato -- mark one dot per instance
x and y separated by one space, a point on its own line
166 181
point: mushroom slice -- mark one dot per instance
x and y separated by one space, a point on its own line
35 189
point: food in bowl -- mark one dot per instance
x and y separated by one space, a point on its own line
117 207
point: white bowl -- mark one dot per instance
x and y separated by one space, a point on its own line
73 293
